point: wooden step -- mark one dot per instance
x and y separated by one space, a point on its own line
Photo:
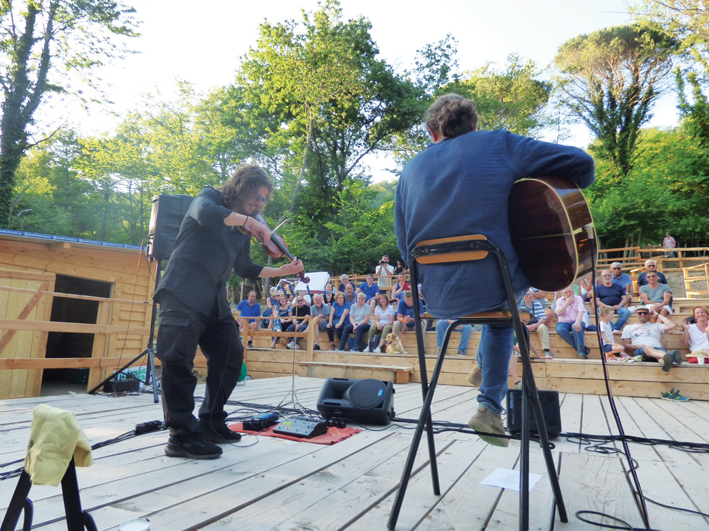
327 369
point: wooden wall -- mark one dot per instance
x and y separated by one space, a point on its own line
27 282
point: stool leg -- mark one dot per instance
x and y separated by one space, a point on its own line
19 502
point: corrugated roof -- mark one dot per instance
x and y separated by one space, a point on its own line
36 237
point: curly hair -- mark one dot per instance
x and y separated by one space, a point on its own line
452 115
243 185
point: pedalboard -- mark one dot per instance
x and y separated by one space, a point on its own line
304 427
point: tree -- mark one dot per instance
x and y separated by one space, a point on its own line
52 40
609 81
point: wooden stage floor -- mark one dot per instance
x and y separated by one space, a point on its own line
264 483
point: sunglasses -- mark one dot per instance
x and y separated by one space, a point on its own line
642 313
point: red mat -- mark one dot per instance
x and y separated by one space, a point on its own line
333 435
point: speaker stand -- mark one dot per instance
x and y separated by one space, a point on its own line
292 397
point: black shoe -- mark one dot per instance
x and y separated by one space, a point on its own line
251 344
316 347
676 357
194 446
667 360
219 433
588 351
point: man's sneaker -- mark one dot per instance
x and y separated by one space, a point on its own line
677 357
475 377
667 361
366 349
486 421
588 350
462 353
194 446
583 356
251 344
377 350
338 349
638 359
291 344
674 395
316 347
518 385
219 433
547 355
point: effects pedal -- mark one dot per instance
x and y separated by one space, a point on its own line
305 427
260 422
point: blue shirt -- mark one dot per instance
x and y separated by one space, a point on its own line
249 311
623 281
339 310
369 292
610 295
461 186
404 309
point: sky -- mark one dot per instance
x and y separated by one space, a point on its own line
202 42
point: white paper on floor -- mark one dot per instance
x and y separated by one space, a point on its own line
504 478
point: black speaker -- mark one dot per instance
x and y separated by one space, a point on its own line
165 220
364 401
550 407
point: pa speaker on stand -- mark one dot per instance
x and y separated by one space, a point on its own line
165 220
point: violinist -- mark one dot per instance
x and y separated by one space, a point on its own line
214 238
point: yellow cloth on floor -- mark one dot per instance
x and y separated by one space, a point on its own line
54 439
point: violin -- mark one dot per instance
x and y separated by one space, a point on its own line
276 247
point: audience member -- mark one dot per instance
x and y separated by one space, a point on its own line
319 314
338 317
399 268
442 326
383 321
613 296
650 265
570 310
369 288
669 243
344 281
301 313
383 271
538 321
397 291
525 317
620 278
655 296
350 294
249 308
360 314
696 335
281 317
405 319
612 350
644 338
328 297
272 301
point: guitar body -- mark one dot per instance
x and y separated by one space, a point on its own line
552 231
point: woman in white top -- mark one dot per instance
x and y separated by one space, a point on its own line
696 335
383 321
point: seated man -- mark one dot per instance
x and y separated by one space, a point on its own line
405 319
614 296
570 310
350 294
369 288
655 296
620 278
696 335
644 339
301 316
465 331
539 318
319 314
249 308
650 265
359 324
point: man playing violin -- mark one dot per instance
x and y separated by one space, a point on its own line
460 185
213 240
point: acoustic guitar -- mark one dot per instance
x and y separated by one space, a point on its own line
552 231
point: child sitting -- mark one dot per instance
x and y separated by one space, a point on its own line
612 350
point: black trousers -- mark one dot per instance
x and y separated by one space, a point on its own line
181 331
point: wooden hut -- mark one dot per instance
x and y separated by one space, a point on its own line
70 309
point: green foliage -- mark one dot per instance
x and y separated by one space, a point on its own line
609 81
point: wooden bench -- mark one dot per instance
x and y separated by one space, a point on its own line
326 369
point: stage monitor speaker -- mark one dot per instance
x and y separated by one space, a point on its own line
550 407
363 401
165 220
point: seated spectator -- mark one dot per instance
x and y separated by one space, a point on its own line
538 320
281 317
319 314
265 324
586 290
650 265
405 319
644 339
384 271
249 308
272 300
344 281
614 297
611 350
620 278
301 312
369 288
442 326
328 297
338 318
525 317
655 296
397 291
696 335
360 314
350 294
382 322
399 268
570 311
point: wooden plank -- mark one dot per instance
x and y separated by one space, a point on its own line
72 296
80 328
